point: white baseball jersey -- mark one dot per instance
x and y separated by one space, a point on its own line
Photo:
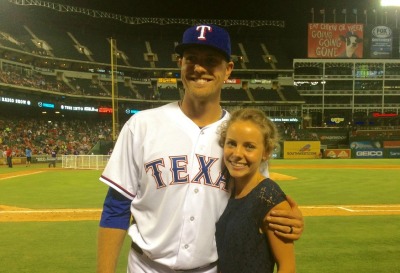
171 169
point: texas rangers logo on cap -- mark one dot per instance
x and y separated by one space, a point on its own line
206 35
203 29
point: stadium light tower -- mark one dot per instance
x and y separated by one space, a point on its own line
390 3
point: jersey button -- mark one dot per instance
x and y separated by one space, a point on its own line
192 218
186 246
196 190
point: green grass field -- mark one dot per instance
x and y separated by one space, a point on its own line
329 244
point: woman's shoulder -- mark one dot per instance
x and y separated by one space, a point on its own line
269 192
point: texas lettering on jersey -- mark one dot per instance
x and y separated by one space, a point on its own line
179 173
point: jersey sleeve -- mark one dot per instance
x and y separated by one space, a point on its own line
121 171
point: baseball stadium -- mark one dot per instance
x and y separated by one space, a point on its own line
73 72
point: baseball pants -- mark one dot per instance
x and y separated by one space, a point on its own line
140 263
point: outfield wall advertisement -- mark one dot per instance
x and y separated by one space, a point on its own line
329 137
337 153
367 153
301 149
391 144
391 153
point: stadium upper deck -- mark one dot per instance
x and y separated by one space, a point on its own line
70 54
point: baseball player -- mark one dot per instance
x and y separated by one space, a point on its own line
166 171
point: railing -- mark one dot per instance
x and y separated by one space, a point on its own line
85 161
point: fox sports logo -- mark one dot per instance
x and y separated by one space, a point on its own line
382 32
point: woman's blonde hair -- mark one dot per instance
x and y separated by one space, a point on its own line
259 118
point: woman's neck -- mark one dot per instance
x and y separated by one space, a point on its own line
244 187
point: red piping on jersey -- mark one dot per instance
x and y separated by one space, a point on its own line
118 186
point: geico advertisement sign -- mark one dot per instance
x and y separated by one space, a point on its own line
370 153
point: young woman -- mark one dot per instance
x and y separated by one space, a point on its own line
245 243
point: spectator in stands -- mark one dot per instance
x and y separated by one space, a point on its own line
162 180
39 135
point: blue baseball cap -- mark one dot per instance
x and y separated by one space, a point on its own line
206 35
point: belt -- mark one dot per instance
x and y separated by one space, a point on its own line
138 250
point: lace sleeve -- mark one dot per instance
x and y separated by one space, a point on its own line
269 196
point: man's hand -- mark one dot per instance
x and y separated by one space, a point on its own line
287 224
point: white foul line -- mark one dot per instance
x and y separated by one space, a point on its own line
360 208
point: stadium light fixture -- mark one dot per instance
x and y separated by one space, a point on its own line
390 3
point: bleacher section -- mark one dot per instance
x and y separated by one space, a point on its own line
290 93
125 91
144 55
231 94
254 53
259 94
169 93
86 39
164 53
87 87
275 49
145 90
263 94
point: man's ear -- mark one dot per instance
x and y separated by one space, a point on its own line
229 69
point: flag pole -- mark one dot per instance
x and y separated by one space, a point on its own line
322 11
355 12
334 15
312 15
344 11
366 17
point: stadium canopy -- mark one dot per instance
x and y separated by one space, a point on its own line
147 20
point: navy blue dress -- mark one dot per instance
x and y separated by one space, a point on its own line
241 246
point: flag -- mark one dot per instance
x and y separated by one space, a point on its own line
334 15
366 17
322 11
312 15
355 13
344 11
